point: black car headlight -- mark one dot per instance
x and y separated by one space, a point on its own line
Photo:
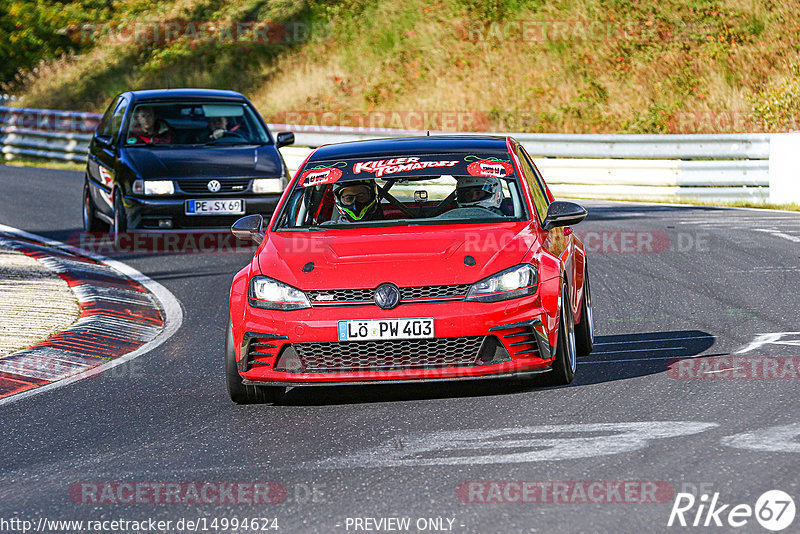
519 281
153 187
264 292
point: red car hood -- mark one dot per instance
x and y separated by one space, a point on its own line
406 256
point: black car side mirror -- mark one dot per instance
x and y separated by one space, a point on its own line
284 139
104 141
561 213
249 228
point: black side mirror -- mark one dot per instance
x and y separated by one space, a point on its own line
104 141
561 213
249 228
284 139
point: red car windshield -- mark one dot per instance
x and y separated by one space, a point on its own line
413 190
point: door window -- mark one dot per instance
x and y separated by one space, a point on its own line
540 199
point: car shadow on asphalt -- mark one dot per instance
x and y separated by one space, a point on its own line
617 357
627 356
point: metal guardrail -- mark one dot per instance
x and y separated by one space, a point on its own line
711 167
626 146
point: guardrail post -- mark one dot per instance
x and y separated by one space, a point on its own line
784 168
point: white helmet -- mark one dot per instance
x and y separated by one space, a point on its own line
481 191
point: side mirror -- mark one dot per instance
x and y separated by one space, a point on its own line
249 228
284 139
561 213
103 141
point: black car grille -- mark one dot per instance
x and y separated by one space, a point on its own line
337 297
228 185
389 355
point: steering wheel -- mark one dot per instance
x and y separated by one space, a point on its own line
232 135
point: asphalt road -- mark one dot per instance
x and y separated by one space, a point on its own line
694 282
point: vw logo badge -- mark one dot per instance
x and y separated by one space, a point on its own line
387 296
214 186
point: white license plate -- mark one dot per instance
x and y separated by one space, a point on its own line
385 329
215 207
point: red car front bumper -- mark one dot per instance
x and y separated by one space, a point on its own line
472 340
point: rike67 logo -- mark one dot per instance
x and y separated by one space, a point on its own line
774 510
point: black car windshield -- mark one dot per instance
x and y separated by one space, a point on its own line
194 123
404 191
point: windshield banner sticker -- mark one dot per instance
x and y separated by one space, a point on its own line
489 166
322 175
395 165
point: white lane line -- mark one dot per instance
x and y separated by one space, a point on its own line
657 340
771 439
171 306
544 443
776 233
770 338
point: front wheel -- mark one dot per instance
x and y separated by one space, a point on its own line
240 393
584 330
564 366
120 219
91 223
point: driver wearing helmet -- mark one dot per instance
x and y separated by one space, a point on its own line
480 192
356 201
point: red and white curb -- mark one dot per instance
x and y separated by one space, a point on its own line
124 314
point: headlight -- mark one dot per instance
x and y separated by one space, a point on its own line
519 281
273 295
267 185
153 187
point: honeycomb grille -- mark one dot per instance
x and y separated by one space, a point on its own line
370 356
344 296
426 292
340 295
200 185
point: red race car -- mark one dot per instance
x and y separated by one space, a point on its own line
410 260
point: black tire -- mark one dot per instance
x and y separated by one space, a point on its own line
120 219
91 223
564 366
240 393
584 331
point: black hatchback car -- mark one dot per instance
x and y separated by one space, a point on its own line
179 159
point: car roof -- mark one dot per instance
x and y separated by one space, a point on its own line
411 146
183 94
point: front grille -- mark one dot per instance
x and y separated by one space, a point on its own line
522 342
428 292
338 296
389 355
365 296
258 349
200 185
